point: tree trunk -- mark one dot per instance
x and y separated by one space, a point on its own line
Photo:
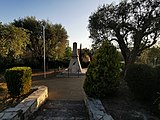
132 58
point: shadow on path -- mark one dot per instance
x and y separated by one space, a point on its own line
61 110
65 101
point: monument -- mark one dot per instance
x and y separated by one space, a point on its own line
74 65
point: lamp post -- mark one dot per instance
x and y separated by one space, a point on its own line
44 51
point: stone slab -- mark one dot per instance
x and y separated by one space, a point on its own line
26 107
95 109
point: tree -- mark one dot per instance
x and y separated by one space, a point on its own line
68 53
87 52
13 41
154 55
150 56
143 58
134 25
55 36
102 77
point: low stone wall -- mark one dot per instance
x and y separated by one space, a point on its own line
95 109
25 108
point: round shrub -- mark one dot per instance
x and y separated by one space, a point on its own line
140 80
102 77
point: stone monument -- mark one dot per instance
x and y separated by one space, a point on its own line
74 65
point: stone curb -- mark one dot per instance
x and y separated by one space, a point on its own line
95 109
25 108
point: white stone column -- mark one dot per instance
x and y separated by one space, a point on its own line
75 66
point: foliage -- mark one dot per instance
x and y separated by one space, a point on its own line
143 58
133 24
55 38
13 45
21 43
85 57
60 63
68 53
102 77
150 56
154 55
143 80
13 41
18 80
88 52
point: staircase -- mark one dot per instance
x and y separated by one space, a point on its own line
61 110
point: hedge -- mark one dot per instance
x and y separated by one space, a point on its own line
18 80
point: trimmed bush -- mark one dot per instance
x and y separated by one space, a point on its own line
18 80
102 77
143 81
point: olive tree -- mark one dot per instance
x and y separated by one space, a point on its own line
133 24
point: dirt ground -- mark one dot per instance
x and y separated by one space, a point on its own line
125 107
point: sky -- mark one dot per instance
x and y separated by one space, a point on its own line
73 15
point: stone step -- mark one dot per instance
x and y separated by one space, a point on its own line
59 118
62 110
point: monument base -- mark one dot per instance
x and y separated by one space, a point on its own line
74 66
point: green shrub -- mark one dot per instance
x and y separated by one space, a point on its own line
102 77
18 80
141 80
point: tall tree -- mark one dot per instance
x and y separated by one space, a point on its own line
55 36
13 41
134 24
35 29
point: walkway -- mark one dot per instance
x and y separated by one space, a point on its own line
65 100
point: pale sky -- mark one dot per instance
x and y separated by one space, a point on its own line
72 14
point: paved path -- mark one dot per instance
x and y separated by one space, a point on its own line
61 110
65 100
63 88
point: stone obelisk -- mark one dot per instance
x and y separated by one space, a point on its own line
74 65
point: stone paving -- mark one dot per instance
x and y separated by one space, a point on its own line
65 101
61 110
62 88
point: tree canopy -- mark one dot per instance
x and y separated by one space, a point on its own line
21 42
13 41
150 56
134 24
55 37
